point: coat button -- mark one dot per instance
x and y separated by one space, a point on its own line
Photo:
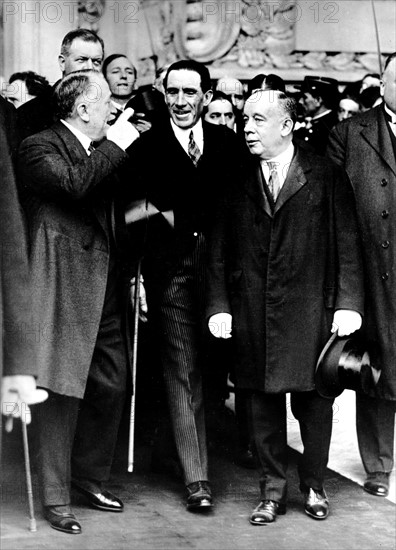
384 182
385 276
385 244
385 213
85 246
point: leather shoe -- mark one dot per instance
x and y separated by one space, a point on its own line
266 512
98 497
316 504
377 484
62 519
199 496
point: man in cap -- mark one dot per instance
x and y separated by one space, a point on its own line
365 146
319 98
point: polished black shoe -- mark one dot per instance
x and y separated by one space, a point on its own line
98 497
377 484
266 512
62 519
316 504
199 496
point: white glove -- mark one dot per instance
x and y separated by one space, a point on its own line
346 321
17 393
143 309
123 133
220 325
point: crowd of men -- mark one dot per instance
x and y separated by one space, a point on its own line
243 226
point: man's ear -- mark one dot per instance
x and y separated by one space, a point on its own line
207 97
82 111
61 61
287 127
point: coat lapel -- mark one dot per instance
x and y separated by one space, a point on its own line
376 133
255 189
294 181
77 153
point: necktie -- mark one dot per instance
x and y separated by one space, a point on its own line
193 149
91 148
273 182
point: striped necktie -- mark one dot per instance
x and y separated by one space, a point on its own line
273 182
91 148
193 149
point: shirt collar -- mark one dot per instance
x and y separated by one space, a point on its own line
391 114
184 133
284 158
82 138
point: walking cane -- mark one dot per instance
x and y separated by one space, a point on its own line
32 520
131 446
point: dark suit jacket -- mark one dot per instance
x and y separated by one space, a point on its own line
17 353
63 193
168 179
282 273
363 146
36 115
8 122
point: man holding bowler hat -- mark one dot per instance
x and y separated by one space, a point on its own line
284 265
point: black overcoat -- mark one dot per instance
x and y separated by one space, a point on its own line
363 146
69 242
282 274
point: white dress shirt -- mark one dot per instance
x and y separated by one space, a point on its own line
282 162
183 135
392 121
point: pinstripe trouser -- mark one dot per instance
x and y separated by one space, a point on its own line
181 324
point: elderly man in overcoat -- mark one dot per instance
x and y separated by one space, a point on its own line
283 264
366 147
67 188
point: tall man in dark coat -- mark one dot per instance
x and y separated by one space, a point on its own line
183 165
366 147
77 308
283 264
17 359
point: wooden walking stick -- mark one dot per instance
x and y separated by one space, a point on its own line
32 519
131 446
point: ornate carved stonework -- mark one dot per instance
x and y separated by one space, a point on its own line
89 13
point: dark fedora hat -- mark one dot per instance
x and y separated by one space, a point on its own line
345 364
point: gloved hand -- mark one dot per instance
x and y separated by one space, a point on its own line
123 133
220 325
143 309
346 321
17 393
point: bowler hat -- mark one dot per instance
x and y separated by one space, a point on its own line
345 364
